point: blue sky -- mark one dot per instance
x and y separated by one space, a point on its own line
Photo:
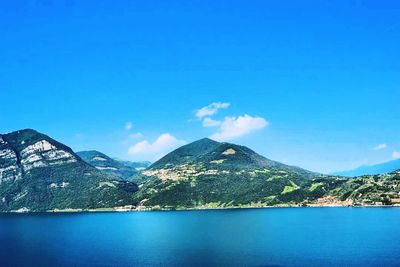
318 80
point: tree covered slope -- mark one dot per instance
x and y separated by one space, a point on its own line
38 173
208 173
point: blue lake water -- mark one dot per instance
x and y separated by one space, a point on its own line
251 237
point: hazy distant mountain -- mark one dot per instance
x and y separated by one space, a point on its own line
38 173
122 169
138 165
382 168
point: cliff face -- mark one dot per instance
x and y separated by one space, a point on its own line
10 170
16 161
25 150
38 173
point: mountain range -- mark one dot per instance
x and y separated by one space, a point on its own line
38 173
209 174
117 168
381 168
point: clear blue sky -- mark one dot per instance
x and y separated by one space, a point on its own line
322 76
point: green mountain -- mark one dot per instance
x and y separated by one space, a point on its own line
187 153
38 173
209 174
102 162
225 156
381 189
212 174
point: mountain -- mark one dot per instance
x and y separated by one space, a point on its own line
38 173
138 165
381 189
382 168
207 173
121 169
210 154
185 154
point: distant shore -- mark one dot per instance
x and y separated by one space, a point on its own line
143 209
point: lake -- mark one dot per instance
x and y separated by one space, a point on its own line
248 237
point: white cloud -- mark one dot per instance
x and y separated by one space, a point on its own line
208 122
380 147
163 144
211 109
396 155
135 135
235 127
128 126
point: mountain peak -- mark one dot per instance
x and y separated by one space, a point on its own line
21 131
186 153
204 141
211 154
21 139
23 134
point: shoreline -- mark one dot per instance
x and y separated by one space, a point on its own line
121 210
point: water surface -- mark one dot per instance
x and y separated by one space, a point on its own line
251 237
